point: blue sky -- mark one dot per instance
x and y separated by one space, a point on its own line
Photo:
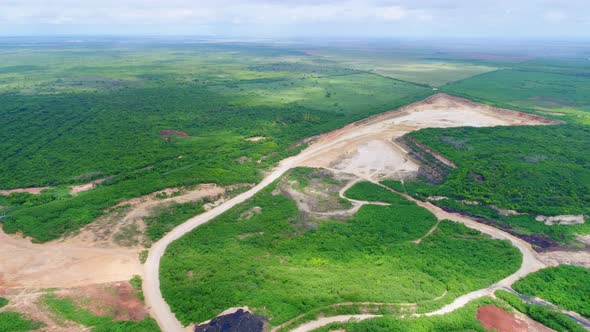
280 19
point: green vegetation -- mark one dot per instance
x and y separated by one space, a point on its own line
536 170
544 315
102 119
67 309
566 286
169 217
137 285
15 322
3 301
282 266
516 170
464 319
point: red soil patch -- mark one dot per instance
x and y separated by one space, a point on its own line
167 133
492 317
116 299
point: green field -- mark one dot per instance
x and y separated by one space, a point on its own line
566 286
274 264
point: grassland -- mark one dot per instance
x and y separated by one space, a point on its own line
566 286
418 66
274 263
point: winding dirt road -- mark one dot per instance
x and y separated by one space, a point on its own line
354 144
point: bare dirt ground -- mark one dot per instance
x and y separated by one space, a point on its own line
554 258
255 138
498 319
367 148
32 190
125 225
29 265
106 250
75 190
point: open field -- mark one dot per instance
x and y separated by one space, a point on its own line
412 66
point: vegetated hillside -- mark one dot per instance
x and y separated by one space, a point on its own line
532 170
264 255
59 134
566 286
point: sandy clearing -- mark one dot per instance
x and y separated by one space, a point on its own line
62 265
255 139
91 256
367 148
32 190
75 190
103 231
554 258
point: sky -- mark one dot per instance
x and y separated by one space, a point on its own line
304 18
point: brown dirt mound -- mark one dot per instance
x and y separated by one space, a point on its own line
167 133
494 318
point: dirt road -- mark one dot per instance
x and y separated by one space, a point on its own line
358 149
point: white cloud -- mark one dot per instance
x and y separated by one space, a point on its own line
555 16
368 17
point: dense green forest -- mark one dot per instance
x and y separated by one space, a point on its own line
542 314
283 267
566 286
106 122
532 170
520 170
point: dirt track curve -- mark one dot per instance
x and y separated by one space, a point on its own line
436 111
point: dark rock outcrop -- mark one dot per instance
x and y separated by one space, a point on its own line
239 321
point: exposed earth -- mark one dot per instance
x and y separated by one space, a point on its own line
498 319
